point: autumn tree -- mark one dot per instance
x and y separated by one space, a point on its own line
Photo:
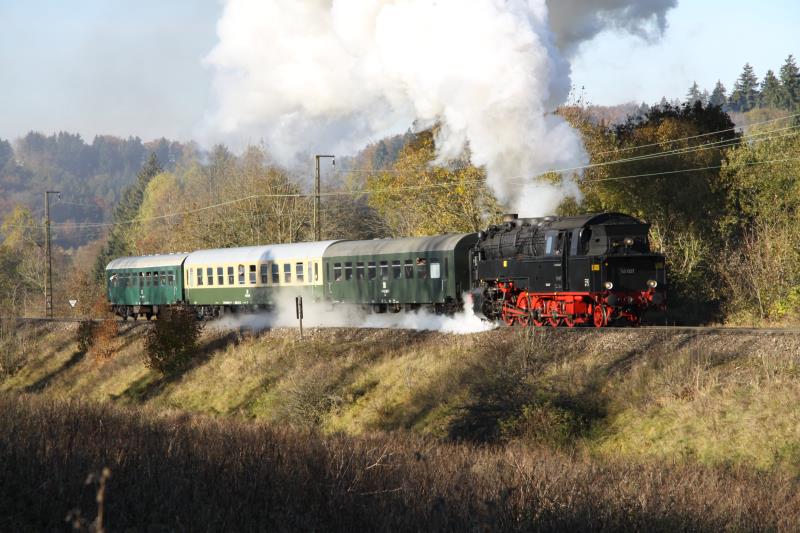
118 243
418 197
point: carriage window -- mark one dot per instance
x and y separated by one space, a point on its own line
147 279
230 275
241 274
264 274
199 276
359 270
163 279
348 271
422 268
316 271
384 270
287 272
408 267
252 276
171 279
337 272
141 280
210 275
298 268
436 272
156 281
397 271
371 270
220 276
276 274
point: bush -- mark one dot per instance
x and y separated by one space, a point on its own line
84 336
171 343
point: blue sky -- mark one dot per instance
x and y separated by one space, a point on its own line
128 67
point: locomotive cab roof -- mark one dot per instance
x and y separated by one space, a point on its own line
580 221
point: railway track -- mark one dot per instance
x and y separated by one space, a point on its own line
653 328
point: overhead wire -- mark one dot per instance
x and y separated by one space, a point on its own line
761 136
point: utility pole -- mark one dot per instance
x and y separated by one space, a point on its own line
317 219
48 280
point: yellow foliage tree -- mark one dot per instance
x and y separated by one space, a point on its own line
416 197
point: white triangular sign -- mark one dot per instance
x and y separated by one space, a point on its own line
72 303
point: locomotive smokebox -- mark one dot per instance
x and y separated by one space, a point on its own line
510 217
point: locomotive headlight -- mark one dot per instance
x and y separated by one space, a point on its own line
652 283
608 285
628 241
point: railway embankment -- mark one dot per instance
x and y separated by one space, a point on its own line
714 396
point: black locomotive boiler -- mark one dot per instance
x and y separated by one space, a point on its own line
592 269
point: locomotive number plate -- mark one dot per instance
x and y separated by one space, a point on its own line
627 270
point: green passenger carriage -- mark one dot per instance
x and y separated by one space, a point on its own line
141 285
253 277
389 274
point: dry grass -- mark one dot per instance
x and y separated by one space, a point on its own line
180 472
715 398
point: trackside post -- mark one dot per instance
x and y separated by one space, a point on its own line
298 307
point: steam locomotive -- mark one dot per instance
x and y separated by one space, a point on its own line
594 269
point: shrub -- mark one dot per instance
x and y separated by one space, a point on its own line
172 341
84 336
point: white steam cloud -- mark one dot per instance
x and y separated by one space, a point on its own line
331 75
322 314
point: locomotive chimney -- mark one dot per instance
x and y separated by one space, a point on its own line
510 217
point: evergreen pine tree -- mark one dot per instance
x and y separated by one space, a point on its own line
718 96
694 94
127 209
745 91
771 91
790 85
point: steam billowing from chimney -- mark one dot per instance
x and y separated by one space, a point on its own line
332 75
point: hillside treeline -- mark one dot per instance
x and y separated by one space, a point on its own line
91 176
722 201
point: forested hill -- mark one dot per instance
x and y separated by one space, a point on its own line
91 176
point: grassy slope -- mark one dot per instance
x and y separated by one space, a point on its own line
717 398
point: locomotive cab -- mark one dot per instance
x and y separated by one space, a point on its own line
571 270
